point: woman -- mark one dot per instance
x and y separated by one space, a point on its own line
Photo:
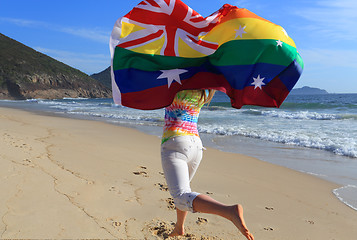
181 153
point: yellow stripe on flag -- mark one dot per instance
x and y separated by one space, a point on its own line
186 51
153 47
128 28
254 29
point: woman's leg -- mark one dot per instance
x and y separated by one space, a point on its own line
206 204
177 178
179 226
180 159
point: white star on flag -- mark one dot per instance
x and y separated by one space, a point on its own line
258 82
279 43
172 75
240 31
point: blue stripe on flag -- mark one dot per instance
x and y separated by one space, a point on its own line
239 76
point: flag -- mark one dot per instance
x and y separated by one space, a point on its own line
163 46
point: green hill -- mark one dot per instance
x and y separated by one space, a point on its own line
103 77
26 73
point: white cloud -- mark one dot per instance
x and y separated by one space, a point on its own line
96 35
332 19
329 69
328 58
88 63
24 22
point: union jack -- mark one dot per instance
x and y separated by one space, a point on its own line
171 19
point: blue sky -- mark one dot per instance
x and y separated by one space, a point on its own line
77 32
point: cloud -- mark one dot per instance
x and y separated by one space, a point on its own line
332 19
96 35
328 58
24 22
88 63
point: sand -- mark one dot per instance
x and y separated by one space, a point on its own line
68 179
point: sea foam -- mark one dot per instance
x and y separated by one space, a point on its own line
347 195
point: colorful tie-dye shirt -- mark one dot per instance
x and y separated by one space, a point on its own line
182 115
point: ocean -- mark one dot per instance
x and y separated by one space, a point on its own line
314 134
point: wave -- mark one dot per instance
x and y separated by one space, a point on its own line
337 145
312 106
301 115
274 125
123 116
79 98
305 115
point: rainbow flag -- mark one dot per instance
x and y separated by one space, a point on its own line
163 46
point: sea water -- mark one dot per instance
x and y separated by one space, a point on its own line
315 134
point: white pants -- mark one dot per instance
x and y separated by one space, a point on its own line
180 158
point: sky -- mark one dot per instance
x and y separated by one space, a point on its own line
77 32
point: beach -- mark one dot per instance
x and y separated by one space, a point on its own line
65 178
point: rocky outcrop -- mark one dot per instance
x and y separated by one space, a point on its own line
26 73
104 77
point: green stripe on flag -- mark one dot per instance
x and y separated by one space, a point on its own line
299 61
247 52
124 59
237 52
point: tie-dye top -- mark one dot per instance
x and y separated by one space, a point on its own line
181 116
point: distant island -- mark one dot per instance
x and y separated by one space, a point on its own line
308 91
26 73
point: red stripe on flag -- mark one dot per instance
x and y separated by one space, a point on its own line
271 95
277 89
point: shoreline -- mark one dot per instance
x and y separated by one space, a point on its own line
70 178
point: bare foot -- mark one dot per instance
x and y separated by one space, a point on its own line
178 231
238 220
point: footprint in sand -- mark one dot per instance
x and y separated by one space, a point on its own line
161 229
162 187
28 162
310 222
269 208
201 221
268 229
170 203
141 172
114 189
114 223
